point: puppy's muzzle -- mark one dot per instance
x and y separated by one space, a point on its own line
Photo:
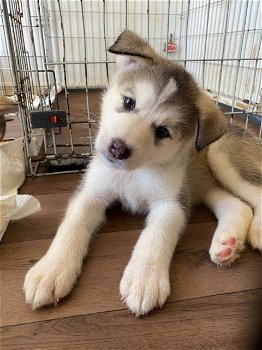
118 149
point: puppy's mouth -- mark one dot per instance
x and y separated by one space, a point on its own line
118 163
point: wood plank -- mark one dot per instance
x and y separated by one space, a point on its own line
48 219
192 273
228 322
43 225
51 184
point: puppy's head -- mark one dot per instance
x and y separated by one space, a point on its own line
151 111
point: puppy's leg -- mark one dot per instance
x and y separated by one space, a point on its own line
145 283
53 277
254 236
249 192
234 218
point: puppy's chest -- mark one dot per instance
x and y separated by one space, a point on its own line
139 190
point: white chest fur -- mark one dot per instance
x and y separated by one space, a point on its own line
137 189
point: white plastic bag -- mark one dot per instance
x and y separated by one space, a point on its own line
12 172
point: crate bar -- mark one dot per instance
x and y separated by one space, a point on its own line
205 47
19 49
33 46
104 32
67 145
259 98
217 33
254 79
8 57
65 77
179 60
259 9
221 59
238 56
229 39
43 51
17 92
3 85
60 172
86 81
54 142
41 158
180 30
78 62
155 33
85 59
223 49
148 18
260 102
114 24
167 27
198 42
93 42
126 18
30 85
211 68
239 60
186 34
247 32
46 21
228 69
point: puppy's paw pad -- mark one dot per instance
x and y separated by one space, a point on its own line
229 241
224 253
225 250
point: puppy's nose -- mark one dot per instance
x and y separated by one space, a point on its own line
118 149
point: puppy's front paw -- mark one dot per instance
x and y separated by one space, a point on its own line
144 286
49 280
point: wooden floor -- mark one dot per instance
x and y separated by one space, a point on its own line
209 308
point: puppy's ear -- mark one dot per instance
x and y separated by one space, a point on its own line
212 123
134 51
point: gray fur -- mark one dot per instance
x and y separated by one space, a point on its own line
245 153
184 199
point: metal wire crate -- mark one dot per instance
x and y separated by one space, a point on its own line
53 53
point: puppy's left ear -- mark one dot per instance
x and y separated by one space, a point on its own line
134 51
212 123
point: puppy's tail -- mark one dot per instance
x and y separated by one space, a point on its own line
236 163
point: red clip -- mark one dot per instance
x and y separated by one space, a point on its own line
171 46
54 119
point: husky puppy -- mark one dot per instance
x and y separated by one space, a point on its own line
152 154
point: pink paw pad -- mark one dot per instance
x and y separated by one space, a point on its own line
229 241
229 251
225 252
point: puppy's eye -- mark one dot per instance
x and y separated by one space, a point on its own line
161 132
129 103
